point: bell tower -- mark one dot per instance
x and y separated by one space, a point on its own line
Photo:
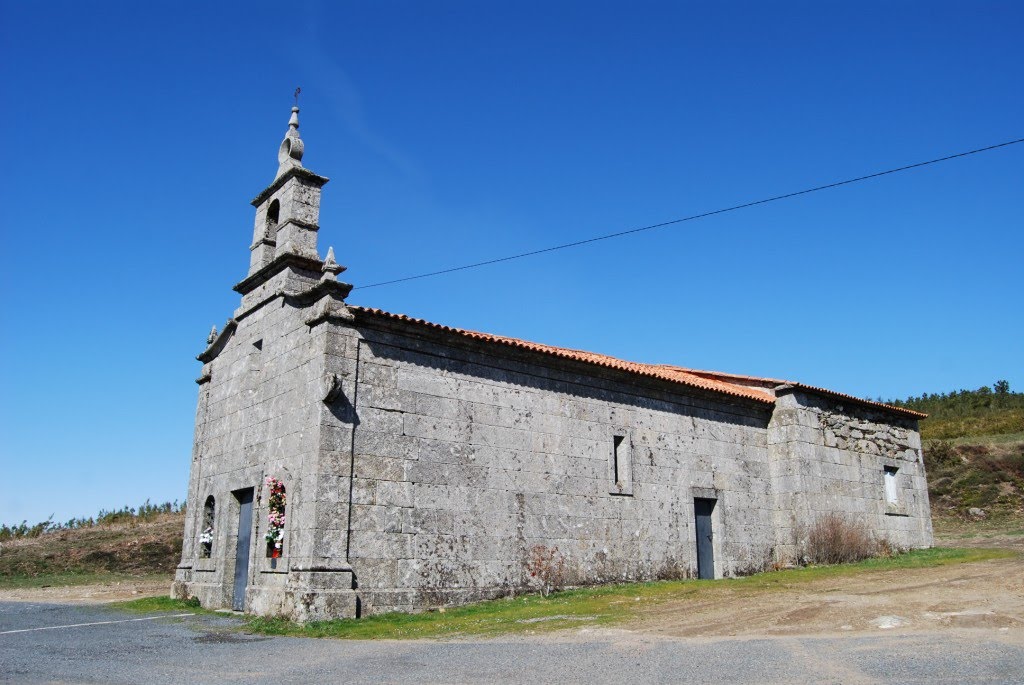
288 210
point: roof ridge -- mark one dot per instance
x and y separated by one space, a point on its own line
726 374
803 386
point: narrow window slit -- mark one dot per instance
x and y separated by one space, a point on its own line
616 444
620 467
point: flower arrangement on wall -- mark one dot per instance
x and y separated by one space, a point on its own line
275 519
206 541
206 537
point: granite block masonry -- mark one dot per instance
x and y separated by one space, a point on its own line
425 465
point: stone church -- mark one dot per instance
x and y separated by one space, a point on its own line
350 461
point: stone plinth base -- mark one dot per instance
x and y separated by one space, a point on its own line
301 596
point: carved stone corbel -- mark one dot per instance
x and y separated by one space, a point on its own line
332 388
329 308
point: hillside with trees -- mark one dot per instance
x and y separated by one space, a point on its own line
969 413
974 451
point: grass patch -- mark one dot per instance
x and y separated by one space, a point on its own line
991 527
920 558
593 606
986 534
150 605
998 439
496 617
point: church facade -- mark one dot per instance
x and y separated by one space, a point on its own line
350 461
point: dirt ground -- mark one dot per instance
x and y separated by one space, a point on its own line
979 595
98 593
982 595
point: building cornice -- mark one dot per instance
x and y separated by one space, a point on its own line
276 265
313 179
211 352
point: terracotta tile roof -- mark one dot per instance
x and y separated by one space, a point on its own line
726 383
650 370
735 377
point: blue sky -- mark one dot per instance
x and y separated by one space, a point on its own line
136 134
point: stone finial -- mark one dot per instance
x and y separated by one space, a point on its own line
331 267
289 155
212 336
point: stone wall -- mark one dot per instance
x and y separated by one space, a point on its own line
465 459
830 455
423 468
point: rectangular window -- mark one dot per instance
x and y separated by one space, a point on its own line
620 467
891 493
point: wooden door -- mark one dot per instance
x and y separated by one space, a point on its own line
243 547
702 509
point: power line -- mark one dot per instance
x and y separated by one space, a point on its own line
693 217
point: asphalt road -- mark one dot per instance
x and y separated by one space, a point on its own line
52 645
